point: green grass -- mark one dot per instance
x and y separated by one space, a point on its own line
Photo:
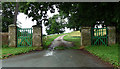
106 53
47 40
10 51
74 37
62 48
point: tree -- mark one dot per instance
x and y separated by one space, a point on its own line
87 14
79 14
32 9
8 10
55 25
37 10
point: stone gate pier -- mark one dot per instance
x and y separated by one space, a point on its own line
85 36
37 35
12 35
111 35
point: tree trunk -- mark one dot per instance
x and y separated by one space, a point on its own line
16 12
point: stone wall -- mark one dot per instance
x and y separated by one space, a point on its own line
85 36
4 39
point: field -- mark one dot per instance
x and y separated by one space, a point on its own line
74 37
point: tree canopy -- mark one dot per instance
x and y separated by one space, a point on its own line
55 25
7 15
78 13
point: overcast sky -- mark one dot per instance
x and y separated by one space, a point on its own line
28 23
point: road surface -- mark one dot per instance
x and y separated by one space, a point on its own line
55 58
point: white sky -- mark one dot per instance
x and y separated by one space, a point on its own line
28 23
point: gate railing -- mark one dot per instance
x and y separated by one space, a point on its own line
24 37
99 36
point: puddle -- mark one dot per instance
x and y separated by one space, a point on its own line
57 42
49 53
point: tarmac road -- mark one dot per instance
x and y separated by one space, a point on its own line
55 58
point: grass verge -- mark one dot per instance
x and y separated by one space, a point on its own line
62 48
106 53
10 51
74 37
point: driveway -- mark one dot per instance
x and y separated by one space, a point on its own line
55 58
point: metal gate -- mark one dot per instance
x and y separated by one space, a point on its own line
24 37
99 36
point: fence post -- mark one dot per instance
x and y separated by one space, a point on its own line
111 35
85 36
12 35
37 36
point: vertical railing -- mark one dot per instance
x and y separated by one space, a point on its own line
99 37
24 37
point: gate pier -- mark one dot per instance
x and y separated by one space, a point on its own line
111 35
37 35
12 35
85 36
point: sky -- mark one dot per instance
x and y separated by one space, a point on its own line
28 23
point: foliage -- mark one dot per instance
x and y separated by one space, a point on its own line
8 10
107 53
55 25
86 14
32 9
78 13
37 10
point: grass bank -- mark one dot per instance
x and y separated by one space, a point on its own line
74 37
10 51
106 53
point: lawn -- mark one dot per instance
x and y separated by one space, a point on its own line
74 37
106 53
10 51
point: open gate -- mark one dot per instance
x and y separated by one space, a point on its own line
24 37
99 36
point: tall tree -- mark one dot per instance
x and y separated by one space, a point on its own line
8 10
56 25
